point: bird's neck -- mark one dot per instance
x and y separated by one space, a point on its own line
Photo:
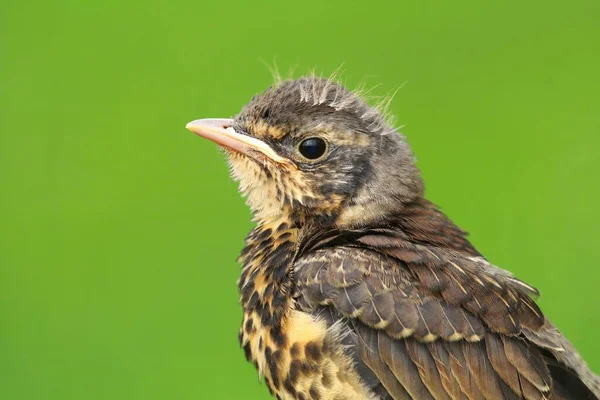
265 283
422 222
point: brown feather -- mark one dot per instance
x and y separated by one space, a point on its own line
497 357
529 362
396 356
482 371
460 372
428 371
442 360
371 353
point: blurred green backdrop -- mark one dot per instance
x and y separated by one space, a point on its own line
119 229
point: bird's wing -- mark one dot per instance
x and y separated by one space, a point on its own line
430 323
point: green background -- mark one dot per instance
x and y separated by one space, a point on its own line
119 229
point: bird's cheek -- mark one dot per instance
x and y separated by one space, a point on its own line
241 168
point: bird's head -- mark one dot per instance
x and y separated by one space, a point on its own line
310 149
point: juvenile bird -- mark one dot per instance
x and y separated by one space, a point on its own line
353 285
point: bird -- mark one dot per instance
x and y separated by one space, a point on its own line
353 285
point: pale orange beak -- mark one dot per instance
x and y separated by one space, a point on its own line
220 131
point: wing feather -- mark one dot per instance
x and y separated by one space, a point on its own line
433 324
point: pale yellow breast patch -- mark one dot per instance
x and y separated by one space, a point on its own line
335 378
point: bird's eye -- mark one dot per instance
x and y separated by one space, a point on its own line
312 148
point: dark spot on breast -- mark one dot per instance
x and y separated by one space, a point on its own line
313 351
260 343
260 306
247 291
245 251
281 256
295 350
295 367
315 393
253 301
268 318
302 368
268 353
264 234
249 325
268 293
247 352
280 299
264 245
285 236
287 384
243 278
251 274
278 336
277 356
273 365
301 396
275 382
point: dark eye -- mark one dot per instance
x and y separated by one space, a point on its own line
312 148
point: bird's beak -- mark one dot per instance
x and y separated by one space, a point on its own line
220 131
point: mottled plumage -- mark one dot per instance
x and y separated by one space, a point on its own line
354 286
